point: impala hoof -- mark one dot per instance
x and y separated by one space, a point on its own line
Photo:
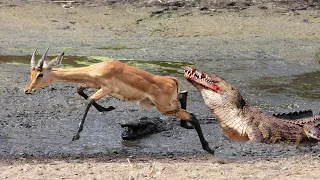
110 108
209 150
185 125
76 137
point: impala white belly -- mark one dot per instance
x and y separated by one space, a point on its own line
127 93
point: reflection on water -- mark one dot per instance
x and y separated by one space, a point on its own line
305 85
158 67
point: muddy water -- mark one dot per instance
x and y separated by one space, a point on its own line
43 124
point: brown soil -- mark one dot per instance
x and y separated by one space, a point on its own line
26 25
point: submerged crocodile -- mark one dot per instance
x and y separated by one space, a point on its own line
143 126
242 122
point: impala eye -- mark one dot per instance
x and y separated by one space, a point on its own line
40 75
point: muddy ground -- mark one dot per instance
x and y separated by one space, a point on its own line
266 50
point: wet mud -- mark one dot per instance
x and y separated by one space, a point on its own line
275 71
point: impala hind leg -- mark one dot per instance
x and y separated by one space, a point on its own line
80 90
185 115
98 95
183 103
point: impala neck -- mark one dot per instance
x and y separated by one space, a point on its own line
78 75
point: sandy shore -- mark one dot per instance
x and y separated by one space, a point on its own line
300 167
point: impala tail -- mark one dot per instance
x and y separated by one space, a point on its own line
39 72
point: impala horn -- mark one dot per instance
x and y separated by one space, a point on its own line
33 58
43 58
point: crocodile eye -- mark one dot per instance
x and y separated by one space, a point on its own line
40 75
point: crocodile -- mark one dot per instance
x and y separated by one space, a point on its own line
240 121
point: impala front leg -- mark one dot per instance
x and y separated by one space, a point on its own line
77 136
80 90
98 95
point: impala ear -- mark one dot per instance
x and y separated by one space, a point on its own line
55 62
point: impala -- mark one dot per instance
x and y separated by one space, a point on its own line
119 80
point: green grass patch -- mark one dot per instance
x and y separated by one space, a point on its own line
99 58
16 63
317 56
88 148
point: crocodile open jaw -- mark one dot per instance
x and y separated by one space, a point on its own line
198 79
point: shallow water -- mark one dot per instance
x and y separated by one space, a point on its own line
305 85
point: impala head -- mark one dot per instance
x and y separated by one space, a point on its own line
215 90
39 71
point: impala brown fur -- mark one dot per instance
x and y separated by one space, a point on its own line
120 80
